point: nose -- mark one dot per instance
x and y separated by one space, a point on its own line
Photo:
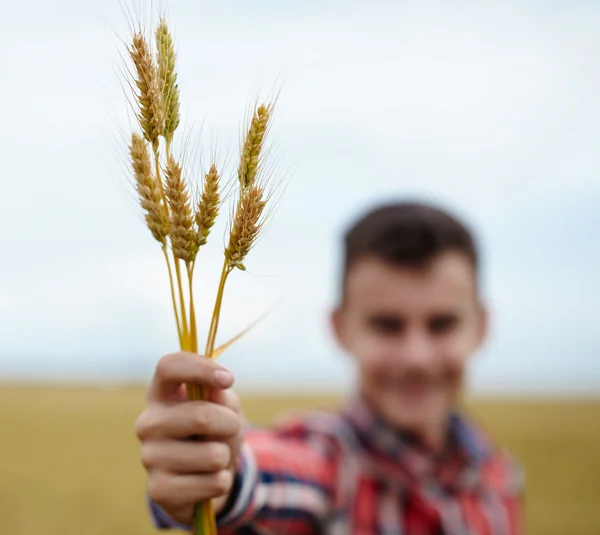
416 349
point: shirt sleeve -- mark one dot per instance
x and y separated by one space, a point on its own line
514 502
286 486
161 520
514 507
502 500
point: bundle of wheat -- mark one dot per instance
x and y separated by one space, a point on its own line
181 226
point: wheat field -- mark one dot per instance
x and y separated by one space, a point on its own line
69 459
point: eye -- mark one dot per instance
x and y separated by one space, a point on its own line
386 324
443 323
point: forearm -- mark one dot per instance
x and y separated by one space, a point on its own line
284 488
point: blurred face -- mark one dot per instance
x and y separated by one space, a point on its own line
411 331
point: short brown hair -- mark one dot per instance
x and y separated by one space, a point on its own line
408 234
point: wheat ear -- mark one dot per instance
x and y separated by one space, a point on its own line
246 226
181 224
208 207
151 200
149 190
183 235
253 144
151 117
166 58
247 220
151 112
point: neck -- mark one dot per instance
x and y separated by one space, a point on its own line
432 434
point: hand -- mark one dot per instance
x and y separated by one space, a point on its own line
182 472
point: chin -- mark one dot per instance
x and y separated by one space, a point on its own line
414 415
408 421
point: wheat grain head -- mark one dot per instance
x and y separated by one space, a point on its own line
246 227
166 73
181 221
208 207
149 190
151 110
251 150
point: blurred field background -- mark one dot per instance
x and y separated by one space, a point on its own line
69 462
491 108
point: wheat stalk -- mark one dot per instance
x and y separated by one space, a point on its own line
156 214
151 118
184 236
247 220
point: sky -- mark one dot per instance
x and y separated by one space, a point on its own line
490 111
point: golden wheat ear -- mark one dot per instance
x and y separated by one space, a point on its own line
253 144
151 115
181 224
208 207
246 226
165 59
148 189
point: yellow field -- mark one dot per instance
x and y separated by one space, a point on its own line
69 460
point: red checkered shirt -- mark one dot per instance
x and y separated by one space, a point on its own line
349 473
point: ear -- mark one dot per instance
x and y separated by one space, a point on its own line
483 323
336 319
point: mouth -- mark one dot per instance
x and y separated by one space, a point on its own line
413 388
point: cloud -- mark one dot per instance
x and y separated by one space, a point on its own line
492 111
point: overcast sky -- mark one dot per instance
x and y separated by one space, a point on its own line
494 112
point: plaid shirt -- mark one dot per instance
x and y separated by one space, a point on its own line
349 473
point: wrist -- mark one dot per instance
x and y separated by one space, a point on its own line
239 505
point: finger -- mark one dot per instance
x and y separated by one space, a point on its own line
180 457
227 398
177 368
174 490
188 419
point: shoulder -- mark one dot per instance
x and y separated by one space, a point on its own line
314 431
500 470
317 428
504 473
298 446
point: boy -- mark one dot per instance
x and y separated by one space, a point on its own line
399 458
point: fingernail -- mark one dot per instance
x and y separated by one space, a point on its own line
223 378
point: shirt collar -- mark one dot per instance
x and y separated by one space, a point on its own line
377 435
